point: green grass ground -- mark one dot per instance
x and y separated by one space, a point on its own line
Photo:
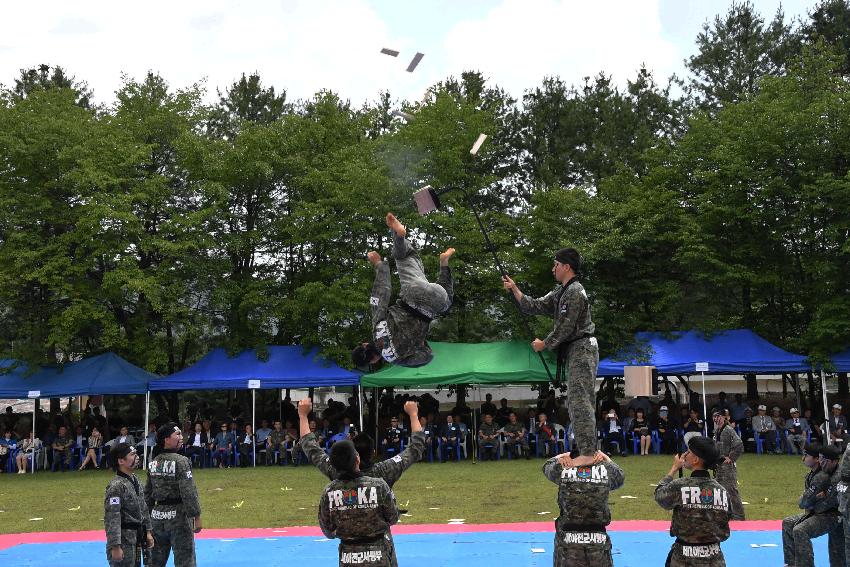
505 491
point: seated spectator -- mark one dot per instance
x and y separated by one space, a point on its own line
149 440
516 438
816 428
464 432
722 403
837 427
666 431
503 413
320 437
196 444
488 407
546 436
94 442
246 446
275 442
348 429
80 438
640 429
7 447
9 419
694 426
392 438
765 428
627 421
26 450
640 402
488 437
222 446
123 437
450 436
746 426
431 434
779 423
62 448
612 433
261 435
739 409
798 429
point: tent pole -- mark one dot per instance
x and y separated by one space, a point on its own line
33 438
825 407
359 399
377 413
704 407
475 426
254 424
145 428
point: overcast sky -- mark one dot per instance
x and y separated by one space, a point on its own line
306 45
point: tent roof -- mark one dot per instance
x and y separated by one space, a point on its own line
726 352
841 361
286 367
510 362
105 373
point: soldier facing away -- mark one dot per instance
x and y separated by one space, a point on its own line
125 515
580 529
358 510
399 330
572 339
172 499
700 507
731 447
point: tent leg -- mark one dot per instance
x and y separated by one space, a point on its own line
359 398
475 426
254 424
825 407
33 438
704 406
145 429
377 413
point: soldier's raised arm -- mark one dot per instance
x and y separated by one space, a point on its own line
310 444
667 493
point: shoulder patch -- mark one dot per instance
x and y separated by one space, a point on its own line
374 300
188 474
115 501
396 459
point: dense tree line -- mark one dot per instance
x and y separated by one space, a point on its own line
160 226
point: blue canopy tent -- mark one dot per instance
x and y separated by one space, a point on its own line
103 374
286 367
841 361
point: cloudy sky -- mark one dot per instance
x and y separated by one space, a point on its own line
306 45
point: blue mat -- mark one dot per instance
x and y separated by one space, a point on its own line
631 549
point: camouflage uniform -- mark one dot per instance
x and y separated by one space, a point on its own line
572 338
359 510
820 517
511 442
400 329
580 535
126 519
843 497
489 448
172 499
275 441
389 470
700 519
730 445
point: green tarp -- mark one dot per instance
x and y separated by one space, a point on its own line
461 363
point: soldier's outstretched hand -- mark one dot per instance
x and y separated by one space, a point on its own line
117 553
411 408
374 258
508 283
305 406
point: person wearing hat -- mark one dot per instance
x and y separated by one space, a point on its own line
125 514
613 432
820 504
572 339
172 498
765 428
798 429
837 424
399 330
666 429
700 507
731 447
581 536
358 510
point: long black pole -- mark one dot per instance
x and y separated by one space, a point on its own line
502 271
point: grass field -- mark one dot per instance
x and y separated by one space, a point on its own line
505 491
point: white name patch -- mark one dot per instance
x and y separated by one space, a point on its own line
115 501
160 515
357 557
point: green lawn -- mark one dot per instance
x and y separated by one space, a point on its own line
505 491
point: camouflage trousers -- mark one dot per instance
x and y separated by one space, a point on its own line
176 533
377 554
799 531
131 558
706 555
845 523
727 476
582 360
595 553
428 298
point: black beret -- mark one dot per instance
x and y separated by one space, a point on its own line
705 449
343 456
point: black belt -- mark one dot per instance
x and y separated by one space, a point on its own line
594 528
364 540
130 525
413 311
168 501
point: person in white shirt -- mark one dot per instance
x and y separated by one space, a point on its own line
765 428
196 444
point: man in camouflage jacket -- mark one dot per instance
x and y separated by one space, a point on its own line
731 447
125 514
172 498
580 530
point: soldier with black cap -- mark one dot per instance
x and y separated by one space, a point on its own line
172 499
731 447
572 339
798 530
125 515
581 537
358 510
700 507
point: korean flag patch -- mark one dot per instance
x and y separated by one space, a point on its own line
115 501
396 459
374 300
188 474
